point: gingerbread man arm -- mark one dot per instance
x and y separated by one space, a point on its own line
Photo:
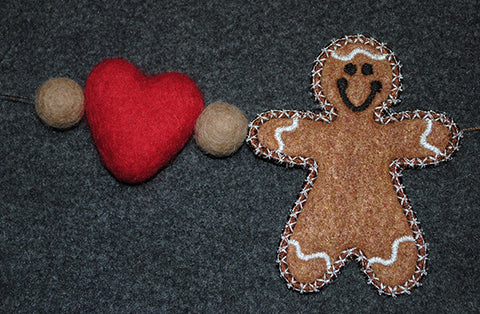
286 133
423 137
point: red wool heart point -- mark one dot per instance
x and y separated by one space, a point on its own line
139 122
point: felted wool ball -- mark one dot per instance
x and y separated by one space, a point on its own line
221 129
60 102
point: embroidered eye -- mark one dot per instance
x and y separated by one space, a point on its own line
367 69
350 69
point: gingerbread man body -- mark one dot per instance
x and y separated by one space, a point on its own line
353 203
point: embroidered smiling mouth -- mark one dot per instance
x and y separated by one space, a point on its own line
375 87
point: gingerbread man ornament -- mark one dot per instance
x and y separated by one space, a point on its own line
353 203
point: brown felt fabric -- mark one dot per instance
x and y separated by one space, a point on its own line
353 200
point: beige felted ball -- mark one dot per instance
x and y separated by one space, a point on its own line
221 129
60 102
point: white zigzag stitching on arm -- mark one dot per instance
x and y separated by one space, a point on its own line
355 52
393 257
307 257
280 130
423 138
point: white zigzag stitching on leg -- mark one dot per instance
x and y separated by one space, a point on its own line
393 257
307 257
373 260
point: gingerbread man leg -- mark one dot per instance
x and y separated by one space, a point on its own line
397 271
318 240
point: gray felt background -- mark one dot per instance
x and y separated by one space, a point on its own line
202 235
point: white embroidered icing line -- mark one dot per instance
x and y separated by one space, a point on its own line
393 257
280 130
423 139
307 257
357 51
373 260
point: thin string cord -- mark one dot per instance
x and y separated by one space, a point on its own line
470 129
31 101
17 98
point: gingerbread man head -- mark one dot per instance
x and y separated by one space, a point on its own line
356 74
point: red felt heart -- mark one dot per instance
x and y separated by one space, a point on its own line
139 122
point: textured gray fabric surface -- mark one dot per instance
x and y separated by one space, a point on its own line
202 235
